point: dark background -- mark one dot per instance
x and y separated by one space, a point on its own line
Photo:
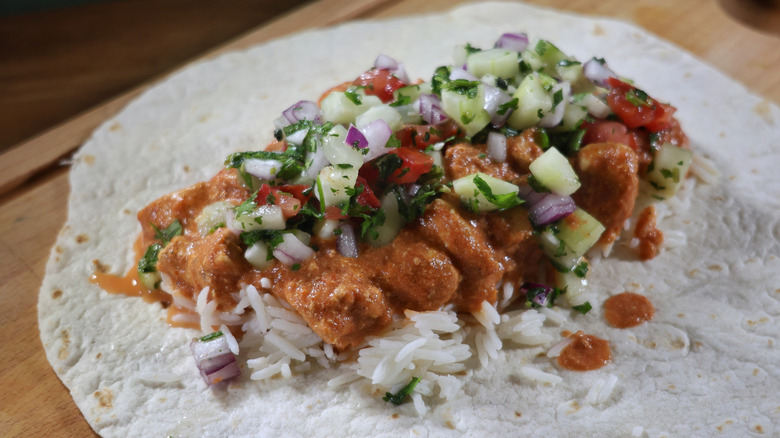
59 58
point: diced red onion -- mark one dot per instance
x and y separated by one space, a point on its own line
597 72
356 138
316 160
555 117
516 42
214 359
291 250
377 134
458 73
262 168
384 62
303 110
496 146
230 221
227 372
347 241
542 298
297 137
412 189
281 122
430 108
495 97
551 208
529 195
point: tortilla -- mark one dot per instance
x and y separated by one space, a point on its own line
705 364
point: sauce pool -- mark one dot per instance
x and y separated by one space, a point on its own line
628 310
585 353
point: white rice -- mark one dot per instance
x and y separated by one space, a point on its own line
637 431
231 340
704 169
432 346
556 350
539 376
601 390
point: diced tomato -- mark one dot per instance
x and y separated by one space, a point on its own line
284 197
366 197
333 213
415 164
422 136
298 191
276 146
636 109
380 83
340 87
605 131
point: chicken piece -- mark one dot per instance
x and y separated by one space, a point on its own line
610 184
445 228
215 261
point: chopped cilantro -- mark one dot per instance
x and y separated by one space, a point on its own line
637 97
353 95
399 397
557 97
295 266
503 201
211 336
440 77
568 63
168 233
247 206
464 87
148 262
471 49
583 308
540 113
504 107
581 270
402 100
216 227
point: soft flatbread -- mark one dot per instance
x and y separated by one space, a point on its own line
706 363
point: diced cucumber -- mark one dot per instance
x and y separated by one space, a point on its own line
471 195
150 280
257 255
553 171
467 112
498 62
265 217
412 92
339 109
459 55
561 256
383 112
571 72
409 115
385 233
532 60
667 171
550 55
575 286
212 216
579 231
535 99
332 184
325 229
573 115
337 151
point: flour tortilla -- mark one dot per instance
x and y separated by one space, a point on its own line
706 365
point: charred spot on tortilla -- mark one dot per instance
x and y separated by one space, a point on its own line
394 207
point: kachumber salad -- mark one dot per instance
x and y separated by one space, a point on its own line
416 224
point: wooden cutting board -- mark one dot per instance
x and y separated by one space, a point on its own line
35 403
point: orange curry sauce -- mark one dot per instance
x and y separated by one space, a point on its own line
130 285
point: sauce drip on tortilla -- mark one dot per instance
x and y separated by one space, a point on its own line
650 237
585 353
130 284
628 310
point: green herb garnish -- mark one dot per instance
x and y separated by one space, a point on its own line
211 336
399 397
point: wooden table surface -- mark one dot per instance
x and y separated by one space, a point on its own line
34 189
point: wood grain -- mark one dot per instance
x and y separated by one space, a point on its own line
34 402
